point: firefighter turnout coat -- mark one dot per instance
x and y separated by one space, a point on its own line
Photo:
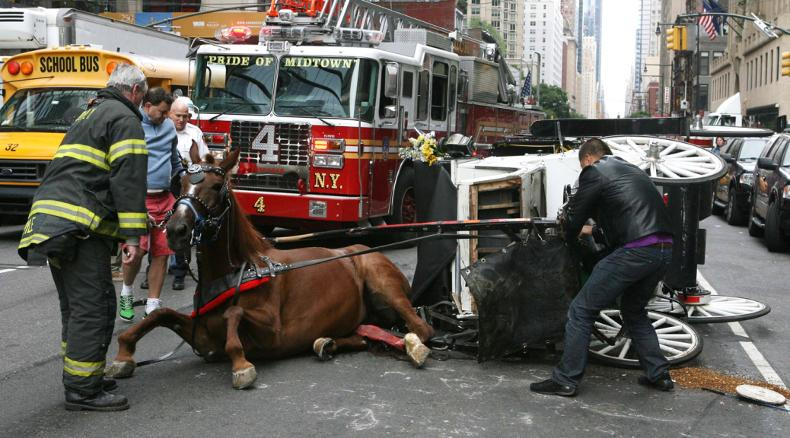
96 182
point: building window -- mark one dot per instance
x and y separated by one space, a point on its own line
495 3
475 11
495 23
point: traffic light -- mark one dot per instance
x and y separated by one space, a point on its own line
676 38
785 63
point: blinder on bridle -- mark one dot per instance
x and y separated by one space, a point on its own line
209 224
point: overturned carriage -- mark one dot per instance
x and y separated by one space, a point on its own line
517 285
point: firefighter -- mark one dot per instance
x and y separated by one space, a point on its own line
92 195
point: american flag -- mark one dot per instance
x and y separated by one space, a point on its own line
526 90
711 24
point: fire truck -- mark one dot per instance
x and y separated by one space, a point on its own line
321 106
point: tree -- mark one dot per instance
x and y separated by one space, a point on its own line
554 101
493 31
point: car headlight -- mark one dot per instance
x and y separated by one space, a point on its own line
746 178
786 192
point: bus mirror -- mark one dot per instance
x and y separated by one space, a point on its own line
390 112
391 80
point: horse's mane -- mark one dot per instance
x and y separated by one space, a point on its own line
246 244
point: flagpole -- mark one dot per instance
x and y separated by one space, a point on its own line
699 86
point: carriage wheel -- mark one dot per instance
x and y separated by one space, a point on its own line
668 162
678 341
718 309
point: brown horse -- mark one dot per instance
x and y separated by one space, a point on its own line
318 306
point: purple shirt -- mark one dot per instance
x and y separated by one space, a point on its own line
648 240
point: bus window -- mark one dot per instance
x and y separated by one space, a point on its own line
45 109
453 86
422 95
439 91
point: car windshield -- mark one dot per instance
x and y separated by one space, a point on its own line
751 149
325 87
44 109
241 84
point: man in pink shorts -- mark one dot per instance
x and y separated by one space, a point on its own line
163 163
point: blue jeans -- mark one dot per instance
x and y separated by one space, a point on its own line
630 274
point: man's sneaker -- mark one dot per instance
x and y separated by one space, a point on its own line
126 308
178 283
103 401
158 306
551 387
144 284
663 383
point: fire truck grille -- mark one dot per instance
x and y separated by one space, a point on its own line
279 146
15 170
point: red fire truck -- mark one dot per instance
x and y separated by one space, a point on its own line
322 104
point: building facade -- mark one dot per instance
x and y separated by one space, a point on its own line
543 36
507 16
589 105
751 66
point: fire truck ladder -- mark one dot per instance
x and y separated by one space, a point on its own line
345 18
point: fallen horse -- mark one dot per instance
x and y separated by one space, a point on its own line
269 316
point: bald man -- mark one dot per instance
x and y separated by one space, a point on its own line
191 145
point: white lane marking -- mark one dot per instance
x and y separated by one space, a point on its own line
751 350
3 271
22 267
737 328
762 365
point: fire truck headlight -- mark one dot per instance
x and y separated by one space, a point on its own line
746 179
331 161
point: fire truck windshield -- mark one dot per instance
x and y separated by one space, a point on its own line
326 87
44 109
307 86
241 84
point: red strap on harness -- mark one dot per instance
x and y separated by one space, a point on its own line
378 334
228 294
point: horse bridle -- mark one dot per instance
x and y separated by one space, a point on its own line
209 224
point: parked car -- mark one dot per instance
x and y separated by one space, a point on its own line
733 191
770 213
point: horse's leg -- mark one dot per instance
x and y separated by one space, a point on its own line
123 365
244 374
385 280
325 348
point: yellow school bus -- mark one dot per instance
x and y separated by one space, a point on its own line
44 92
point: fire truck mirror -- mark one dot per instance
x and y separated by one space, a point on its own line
391 81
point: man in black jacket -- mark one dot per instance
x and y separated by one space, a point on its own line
626 205
92 196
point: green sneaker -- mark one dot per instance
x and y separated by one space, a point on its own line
125 309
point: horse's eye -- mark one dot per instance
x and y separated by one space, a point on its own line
217 187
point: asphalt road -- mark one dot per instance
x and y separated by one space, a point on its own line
365 394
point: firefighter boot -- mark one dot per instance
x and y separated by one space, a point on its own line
101 401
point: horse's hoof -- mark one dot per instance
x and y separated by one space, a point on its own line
120 370
321 347
416 350
245 378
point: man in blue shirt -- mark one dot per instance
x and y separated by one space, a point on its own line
163 163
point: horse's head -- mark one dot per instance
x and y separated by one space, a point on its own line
204 203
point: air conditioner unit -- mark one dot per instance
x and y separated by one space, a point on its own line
22 29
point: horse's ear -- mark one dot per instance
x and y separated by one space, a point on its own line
230 160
